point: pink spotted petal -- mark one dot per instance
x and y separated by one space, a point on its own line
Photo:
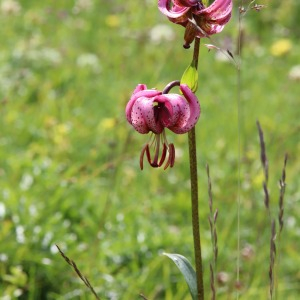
194 105
218 20
221 20
180 109
218 10
166 115
189 116
172 12
213 30
186 2
139 87
142 116
139 92
137 118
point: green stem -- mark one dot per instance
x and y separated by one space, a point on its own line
194 194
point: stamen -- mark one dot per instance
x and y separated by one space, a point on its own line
152 139
164 138
148 154
163 156
168 149
171 158
172 155
145 148
157 146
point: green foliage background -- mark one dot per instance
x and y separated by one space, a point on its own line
69 162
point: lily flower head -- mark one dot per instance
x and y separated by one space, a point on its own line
152 111
199 21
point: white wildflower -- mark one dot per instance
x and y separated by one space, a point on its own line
82 5
294 73
10 7
161 33
89 60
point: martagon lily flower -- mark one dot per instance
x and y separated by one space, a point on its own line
152 111
199 21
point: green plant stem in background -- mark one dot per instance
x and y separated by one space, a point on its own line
194 193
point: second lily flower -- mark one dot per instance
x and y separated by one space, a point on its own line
199 20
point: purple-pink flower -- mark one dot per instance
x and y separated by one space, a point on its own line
153 111
205 20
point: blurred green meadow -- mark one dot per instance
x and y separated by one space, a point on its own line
69 162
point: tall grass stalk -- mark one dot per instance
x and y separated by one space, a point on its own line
272 268
275 236
265 165
212 219
78 272
282 186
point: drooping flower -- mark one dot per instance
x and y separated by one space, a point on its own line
153 111
199 21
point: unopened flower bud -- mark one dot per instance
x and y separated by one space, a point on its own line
190 34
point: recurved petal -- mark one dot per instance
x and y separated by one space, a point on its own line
212 30
212 23
186 2
180 109
139 87
167 112
137 118
189 114
220 20
218 9
172 12
140 91
143 118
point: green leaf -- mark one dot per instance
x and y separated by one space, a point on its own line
188 272
190 77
